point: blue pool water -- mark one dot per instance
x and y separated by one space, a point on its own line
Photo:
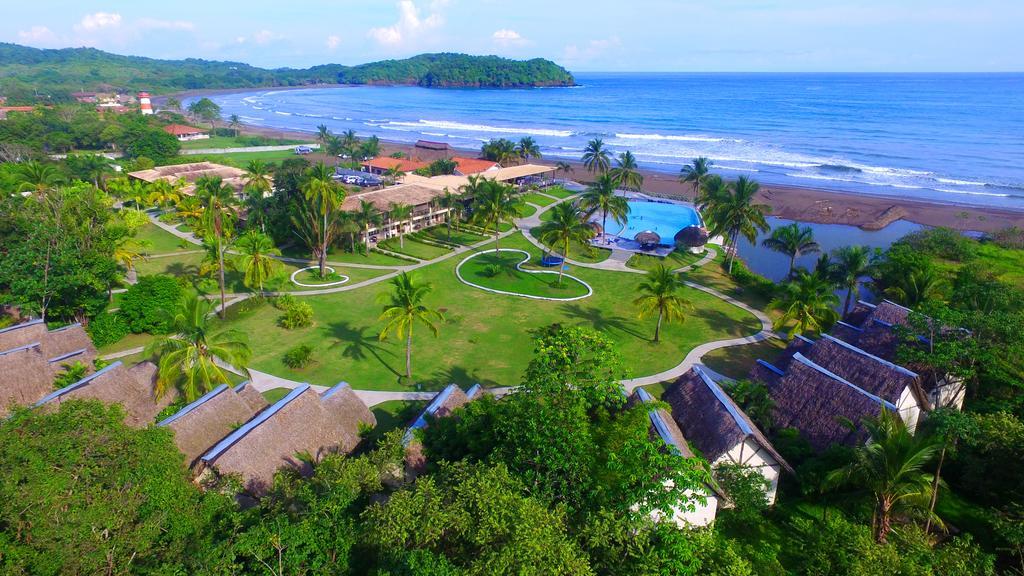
665 219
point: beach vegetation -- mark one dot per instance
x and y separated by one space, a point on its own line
695 173
626 173
596 157
494 204
731 211
808 304
601 197
792 240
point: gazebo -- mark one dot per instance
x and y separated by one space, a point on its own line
692 237
648 239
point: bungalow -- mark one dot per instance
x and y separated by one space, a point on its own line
186 133
25 376
721 430
301 423
201 424
382 165
430 151
441 406
62 345
132 387
187 174
474 166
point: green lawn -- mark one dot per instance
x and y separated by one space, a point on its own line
558 192
538 199
583 252
736 361
240 159
508 279
675 260
546 216
413 248
525 210
127 343
341 255
232 142
275 394
485 338
1005 263
458 235
714 276
161 241
394 414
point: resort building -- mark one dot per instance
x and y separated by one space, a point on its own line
382 165
62 345
187 174
25 377
186 133
132 387
721 430
200 425
441 406
4 110
474 166
301 423
429 151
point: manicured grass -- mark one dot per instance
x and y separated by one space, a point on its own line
675 260
714 276
509 279
341 255
546 216
582 252
485 338
539 200
458 235
525 210
558 192
394 414
414 248
736 361
313 277
127 343
240 159
275 394
657 390
160 241
232 142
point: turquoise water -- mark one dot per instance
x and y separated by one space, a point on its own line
662 218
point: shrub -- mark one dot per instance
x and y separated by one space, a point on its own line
284 301
107 329
1011 238
299 315
491 270
70 373
146 306
942 242
755 282
299 356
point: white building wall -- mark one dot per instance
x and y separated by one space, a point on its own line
750 454
909 410
701 515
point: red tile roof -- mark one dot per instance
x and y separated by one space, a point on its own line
388 163
469 166
181 130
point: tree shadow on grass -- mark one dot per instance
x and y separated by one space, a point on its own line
359 346
601 321
182 269
454 375
721 322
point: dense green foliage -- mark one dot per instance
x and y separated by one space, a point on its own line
79 127
107 329
459 71
147 304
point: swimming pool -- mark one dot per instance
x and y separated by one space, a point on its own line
665 219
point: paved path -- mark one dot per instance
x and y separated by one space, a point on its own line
273 148
122 353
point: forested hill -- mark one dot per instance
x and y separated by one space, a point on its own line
26 74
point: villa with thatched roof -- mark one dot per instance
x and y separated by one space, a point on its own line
62 345
441 406
720 429
25 376
201 424
300 427
31 356
187 174
133 388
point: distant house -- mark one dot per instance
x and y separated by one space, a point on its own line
474 166
429 151
187 174
200 425
186 133
720 429
301 426
303 150
441 406
4 110
382 165
133 388
86 97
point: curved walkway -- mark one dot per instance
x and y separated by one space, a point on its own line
519 267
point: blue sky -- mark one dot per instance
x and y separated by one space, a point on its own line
598 35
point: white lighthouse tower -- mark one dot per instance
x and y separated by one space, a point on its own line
144 104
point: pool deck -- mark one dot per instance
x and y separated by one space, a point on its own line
621 243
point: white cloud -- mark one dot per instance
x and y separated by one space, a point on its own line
574 53
155 24
37 35
506 37
333 41
263 36
410 24
99 20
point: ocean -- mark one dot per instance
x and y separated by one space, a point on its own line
956 138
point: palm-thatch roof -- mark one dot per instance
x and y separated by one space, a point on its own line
25 376
871 327
201 424
871 373
692 237
301 427
442 406
647 237
133 388
62 345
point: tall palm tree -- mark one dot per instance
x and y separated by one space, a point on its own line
350 143
218 201
849 265
323 133
892 467
734 213
368 217
792 240
564 167
391 175
626 173
324 196
601 197
400 213
189 207
234 123
348 224
494 204
915 286
370 147
190 357
808 303
713 190
34 176
403 308
92 166
163 193
256 258
596 157
527 148
127 250
453 204
659 293
258 186
567 225
695 172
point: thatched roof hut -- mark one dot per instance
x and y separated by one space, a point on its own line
442 406
871 327
63 345
692 237
22 334
201 424
300 423
872 373
132 387
596 227
25 377
647 238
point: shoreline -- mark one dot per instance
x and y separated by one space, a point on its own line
809 205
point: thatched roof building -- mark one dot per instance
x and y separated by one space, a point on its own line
871 327
25 376
442 406
201 424
300 423
133 388
63 345
692 237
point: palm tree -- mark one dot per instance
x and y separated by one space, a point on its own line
218 199
126 251
501 151
808 302
601 197
256 258
596 157
403 308
323 133
34 176
713 190
453 204
494 204
850 264
892 468
695 172
391 175
190 357
792 240
163 193
734 213
400 213
915 286
234 123
258 185
350 143
367 216
92 166
324 196
528 148
659 292
626 173
564 167
567 225
189 207
370 147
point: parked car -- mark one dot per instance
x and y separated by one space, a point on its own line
303 150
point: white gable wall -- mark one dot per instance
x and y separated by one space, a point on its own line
750 454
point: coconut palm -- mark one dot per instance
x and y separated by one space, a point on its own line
453 204
808 303
626 174
403 309
849 265
234 123
916 285
324 196
127 250
370 148
493 204
733 213
695 173
527 148
92 166
596 157
255 258
350 143
258 185
323 133
391 175
163 193
792 240
567 225
368 217
659 293
564 167
401 214
189 207
347 224
190 358
601 197
218 201
892 467
501 150
34 176
713 190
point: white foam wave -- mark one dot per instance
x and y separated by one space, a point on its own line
251 99
735 168
973 193
440 134
458 126
960 182
674 138
282 113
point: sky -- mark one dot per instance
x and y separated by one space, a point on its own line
598 35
